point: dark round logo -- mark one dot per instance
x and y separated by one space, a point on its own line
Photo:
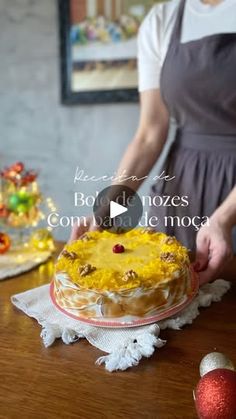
117 209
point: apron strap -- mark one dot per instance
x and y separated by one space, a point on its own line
176 33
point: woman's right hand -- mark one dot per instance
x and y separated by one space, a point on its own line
87 224
214 249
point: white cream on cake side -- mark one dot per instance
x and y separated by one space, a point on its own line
129 302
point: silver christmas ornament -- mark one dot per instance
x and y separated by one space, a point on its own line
214 360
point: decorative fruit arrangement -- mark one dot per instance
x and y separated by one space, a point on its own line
20 212
20 197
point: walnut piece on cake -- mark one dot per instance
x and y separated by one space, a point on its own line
148 230
169 240
129 275
86 269
69 255
167 257
84 238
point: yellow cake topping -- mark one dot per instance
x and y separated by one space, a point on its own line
146 260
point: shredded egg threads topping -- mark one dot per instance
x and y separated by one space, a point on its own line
142 256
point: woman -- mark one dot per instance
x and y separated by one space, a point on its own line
187 62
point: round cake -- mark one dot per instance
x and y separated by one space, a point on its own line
124 277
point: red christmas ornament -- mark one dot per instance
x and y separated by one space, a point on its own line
29 177
215 395
118 248
3 211
18 167
9 174
4 243
17 174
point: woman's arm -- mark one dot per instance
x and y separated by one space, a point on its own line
144 149
146 146
214 242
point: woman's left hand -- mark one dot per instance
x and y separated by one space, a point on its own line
214 249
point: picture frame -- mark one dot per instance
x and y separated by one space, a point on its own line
98 50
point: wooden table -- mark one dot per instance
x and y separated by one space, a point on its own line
62 381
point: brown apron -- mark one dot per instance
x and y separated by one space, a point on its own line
198 86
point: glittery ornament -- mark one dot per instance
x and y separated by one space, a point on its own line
4 243
13 202
215 395
42 239
213 361
21 201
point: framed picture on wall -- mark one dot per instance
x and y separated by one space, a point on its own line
98 49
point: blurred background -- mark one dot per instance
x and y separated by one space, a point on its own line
35 128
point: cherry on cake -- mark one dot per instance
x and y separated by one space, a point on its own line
125 277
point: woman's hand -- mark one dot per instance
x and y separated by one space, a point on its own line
214 249
87 224
214 241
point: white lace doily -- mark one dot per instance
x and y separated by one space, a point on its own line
17 261
125 346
